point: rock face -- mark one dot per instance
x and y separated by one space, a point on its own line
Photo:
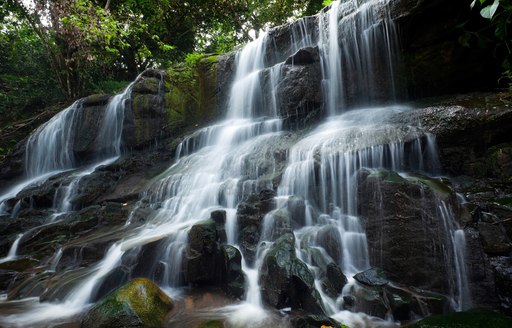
139 303
405 238
88 126
145 123
209 261
286 281
300 88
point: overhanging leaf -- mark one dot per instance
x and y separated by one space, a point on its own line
489 11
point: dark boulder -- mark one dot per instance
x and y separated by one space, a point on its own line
286 281
201 259
231 274
334 280
372 277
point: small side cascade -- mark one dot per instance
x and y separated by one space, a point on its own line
12 254
108 149
455 254
50 148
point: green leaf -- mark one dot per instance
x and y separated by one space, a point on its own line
489 11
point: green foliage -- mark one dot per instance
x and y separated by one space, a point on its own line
26 78
493 30
327 2
109 86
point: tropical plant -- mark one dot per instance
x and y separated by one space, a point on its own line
496 31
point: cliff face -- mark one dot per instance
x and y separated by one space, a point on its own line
416 273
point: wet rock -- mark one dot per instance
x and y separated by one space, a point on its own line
146 118
250 213
280 224
495 242
87 126
329 238
372 277
202 253
72 229
297 209
286 281
299 90
314 321
485 152
399 302
231 274
304 56
282 45
140 303
219 217
406 233
6 276
334 280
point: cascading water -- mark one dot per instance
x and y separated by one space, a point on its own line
108 147
50 151
219 166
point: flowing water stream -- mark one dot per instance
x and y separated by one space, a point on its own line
218 166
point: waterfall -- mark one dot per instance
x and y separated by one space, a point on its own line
219 166
13 250
49 151
50 147
108 150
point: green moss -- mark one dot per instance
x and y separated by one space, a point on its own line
140 303
388 176
191 90
211 324
469 319
438 185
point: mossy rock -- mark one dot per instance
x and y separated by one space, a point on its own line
211 324
147 85
140 303
469 319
